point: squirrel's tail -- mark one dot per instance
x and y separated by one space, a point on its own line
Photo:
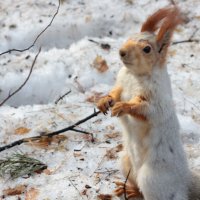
194 188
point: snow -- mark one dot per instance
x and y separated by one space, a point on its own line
66 62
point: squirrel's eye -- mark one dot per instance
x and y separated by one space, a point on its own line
147 49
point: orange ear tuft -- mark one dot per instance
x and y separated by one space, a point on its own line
169 23
165 18
152 22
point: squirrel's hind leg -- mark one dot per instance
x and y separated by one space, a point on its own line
130 188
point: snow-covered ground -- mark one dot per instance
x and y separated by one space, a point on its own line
69 61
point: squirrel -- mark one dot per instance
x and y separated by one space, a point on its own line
153 159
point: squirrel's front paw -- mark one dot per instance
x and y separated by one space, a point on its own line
120 109
105 103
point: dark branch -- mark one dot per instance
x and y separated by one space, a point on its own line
84 132
38 36
61 97
125 197
69 128
185 41
24 83
189 40
104 46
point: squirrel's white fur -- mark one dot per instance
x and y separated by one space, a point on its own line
153 151
162 173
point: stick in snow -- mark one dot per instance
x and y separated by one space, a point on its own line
38 36
24 83
69 128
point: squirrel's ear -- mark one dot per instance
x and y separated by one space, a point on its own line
168 25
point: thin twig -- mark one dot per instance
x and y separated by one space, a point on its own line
61 97
104 46
194 33
185 41
188 40
69 128
24 83
125 197
38 36
84 132
75 188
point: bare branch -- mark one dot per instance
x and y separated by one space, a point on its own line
61 97
125 197
185 41
104 46
24 83
188 40
84 132
75 188
69 128
38 36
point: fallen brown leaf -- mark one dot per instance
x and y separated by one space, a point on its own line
77 154
104 196
22 131
84 192
112 153
100 64
112 135
19 189
45 141
32 194
47 171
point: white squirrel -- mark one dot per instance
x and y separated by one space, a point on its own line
153 159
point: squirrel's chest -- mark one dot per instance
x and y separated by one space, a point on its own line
131 87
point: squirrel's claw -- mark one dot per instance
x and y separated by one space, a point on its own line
120 109
105 103
131 191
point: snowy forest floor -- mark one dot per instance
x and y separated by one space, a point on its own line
77 167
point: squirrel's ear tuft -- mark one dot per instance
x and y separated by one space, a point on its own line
152 22
165 21
168 26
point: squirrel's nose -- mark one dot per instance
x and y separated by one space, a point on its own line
122 53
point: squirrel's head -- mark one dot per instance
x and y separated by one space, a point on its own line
148 49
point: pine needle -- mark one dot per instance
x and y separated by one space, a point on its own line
19 165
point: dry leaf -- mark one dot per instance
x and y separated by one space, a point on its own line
112 153
104 196
112 135
19 189
47 171
119 147
77 154
84 192
32 194
100 64
45 141
22 131
95 97
110 127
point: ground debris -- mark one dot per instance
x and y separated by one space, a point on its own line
32 194
100 64
22 131
19 189
112 153
104 196
19 165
